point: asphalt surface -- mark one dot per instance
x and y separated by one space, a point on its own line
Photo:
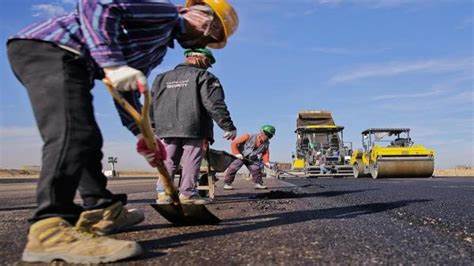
297 221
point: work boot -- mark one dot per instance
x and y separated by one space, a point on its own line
163 199
228 187
193 199
55 239
109 220
260 186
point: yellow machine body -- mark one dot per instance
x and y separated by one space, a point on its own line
393 161
320 147
298 164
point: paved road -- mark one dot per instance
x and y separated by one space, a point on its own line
302 221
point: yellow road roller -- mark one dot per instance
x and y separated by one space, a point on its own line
390 152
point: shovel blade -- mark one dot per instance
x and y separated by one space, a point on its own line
190 214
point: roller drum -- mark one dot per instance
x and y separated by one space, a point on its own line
403 167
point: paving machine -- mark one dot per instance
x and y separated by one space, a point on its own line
320 149
390 152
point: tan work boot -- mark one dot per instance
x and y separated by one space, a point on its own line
55 239
109 220
193 199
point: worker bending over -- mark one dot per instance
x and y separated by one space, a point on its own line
58 61
251 151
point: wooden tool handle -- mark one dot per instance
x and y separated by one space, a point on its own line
143 122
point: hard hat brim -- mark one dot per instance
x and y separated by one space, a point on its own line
227 17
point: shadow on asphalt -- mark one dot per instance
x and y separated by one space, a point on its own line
278 219
142 201
278 194
239 197
146 227
18 208
18 180
147 255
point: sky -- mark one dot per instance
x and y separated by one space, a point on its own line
372 63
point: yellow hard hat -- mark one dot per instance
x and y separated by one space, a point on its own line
226 14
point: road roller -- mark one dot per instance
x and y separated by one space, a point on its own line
390 152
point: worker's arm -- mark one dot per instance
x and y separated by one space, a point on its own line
234 145
103 24
266 157
133 97
212 97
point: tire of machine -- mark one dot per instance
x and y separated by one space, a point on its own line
356 168
374 171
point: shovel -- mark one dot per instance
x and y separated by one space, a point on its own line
251 161
175 212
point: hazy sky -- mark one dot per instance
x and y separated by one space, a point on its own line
373 63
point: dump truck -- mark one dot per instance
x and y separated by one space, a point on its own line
390 152
320 147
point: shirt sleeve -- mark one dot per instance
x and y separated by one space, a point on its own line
102 23
133 97
234 145
212 97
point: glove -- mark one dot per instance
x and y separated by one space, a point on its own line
152 156
239 156
230 135
125 78
268 165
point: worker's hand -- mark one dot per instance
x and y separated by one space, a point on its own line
239 156
152 156
125 78
268 165
230 135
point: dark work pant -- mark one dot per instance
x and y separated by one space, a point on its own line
58 84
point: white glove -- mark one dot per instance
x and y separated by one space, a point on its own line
239 156
124 78
230 135
268 165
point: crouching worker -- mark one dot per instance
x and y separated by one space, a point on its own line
251 151
186 100
58 61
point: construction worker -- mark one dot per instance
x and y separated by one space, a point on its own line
186 100
251 151
57 61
